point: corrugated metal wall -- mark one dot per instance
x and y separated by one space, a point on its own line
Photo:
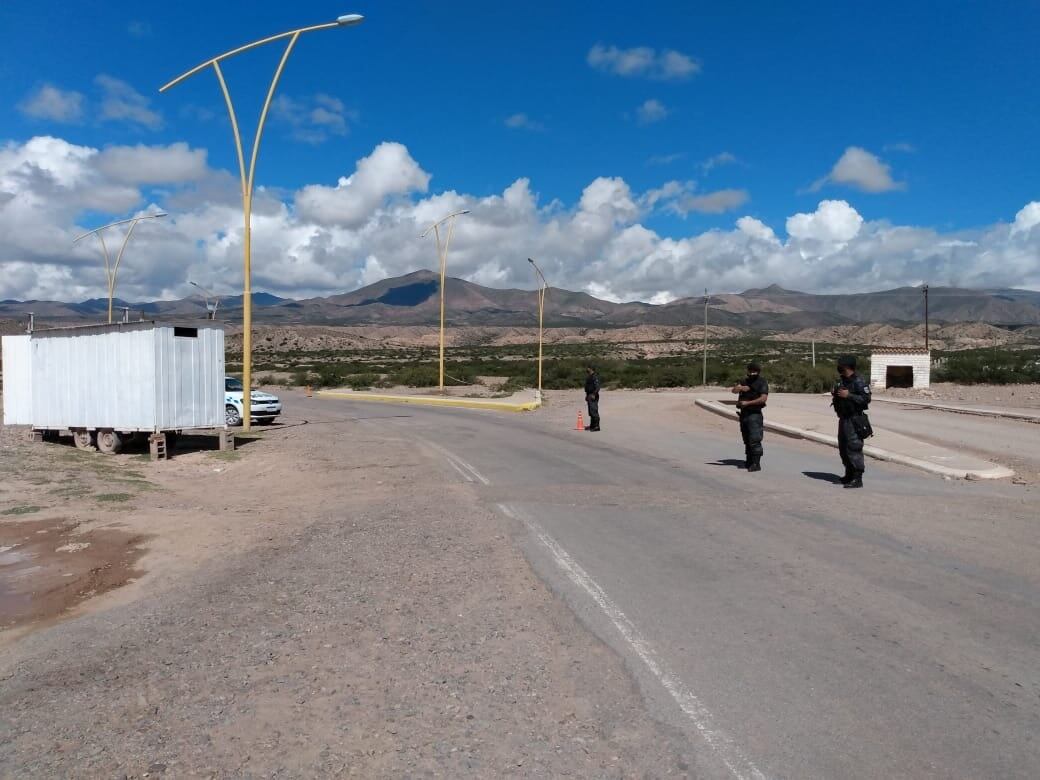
190 377
17 380
137 377
94 380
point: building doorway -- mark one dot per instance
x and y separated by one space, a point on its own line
899 376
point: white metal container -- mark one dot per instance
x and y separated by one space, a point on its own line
137 376
17 380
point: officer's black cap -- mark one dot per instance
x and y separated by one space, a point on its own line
847 361
754 367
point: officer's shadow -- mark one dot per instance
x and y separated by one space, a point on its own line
729 462
823 476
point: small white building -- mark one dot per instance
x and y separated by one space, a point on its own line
900 367
105 382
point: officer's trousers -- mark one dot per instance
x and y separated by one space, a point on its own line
752 427
593 402
850 446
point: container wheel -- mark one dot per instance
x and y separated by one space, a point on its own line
110 442
231 416
83 439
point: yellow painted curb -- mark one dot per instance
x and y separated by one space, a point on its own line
421 400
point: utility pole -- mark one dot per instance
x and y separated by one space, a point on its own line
704 375
814 353
926 318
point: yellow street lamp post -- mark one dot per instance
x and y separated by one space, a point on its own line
541 319
248 177
111 269
442 253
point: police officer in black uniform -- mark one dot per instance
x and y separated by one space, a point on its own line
592 397
751 400
851 397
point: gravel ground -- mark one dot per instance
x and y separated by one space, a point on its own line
383 624
1011 396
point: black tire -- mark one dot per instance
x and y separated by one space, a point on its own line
231 416
110 442
84 440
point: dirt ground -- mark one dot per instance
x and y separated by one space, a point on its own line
1008 396
325 601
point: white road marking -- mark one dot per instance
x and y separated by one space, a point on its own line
459 464
459 469
723 745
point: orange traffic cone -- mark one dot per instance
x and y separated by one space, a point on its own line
580 425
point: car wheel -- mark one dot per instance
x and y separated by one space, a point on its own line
83 440
231 416
110 442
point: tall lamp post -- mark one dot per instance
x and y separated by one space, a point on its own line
211 314
111 269
541 319
442 254
248 177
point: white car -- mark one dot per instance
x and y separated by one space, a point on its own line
264 406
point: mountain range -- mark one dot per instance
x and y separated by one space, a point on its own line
413 299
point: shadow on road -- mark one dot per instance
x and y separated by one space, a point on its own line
823 476
728 462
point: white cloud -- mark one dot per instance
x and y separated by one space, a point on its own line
651 111
666 159
57 105
1027 218
120 102
862 170
757 229
522 121
327 239
833 221
152 164
665 65
389 170
716 202
313 120
719 160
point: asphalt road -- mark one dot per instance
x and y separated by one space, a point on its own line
788 627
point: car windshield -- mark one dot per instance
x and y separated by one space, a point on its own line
232 384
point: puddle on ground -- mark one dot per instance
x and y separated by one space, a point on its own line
46 567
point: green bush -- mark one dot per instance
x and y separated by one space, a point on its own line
988 366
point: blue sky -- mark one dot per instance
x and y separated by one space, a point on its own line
483 94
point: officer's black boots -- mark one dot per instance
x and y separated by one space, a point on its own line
849 476
856 481
754 464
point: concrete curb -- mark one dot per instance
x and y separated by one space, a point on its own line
995 472
422 400
981 412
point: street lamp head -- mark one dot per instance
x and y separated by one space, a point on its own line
530 261
160 214
348 20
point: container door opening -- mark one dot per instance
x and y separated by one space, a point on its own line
899 376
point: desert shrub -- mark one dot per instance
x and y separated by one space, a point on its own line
988 366
363 381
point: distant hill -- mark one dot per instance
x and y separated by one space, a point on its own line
413 300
